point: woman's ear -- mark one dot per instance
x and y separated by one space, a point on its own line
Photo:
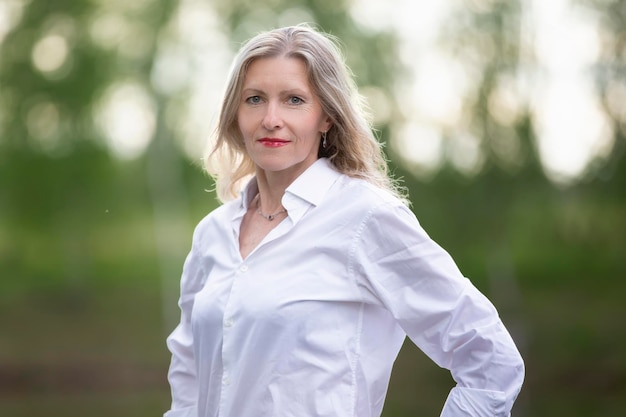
328 123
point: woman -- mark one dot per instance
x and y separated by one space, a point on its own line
299 291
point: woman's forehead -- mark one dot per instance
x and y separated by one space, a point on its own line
277 72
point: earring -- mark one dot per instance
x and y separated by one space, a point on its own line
324 142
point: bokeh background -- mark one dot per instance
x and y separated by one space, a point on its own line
506 119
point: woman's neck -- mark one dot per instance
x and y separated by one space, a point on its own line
271 191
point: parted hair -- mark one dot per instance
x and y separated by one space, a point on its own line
351 144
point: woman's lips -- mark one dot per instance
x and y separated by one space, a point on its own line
273 142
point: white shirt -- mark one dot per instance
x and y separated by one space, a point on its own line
310 323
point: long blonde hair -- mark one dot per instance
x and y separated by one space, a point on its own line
351 145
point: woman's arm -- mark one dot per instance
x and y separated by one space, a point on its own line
441 311
182 371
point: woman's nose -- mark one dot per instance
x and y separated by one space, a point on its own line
272 119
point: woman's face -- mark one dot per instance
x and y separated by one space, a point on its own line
280 117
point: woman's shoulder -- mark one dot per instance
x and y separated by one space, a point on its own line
357 201
218 217
366 194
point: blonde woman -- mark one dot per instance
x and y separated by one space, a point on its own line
300 289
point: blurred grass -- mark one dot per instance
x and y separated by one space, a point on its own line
96 351
120 404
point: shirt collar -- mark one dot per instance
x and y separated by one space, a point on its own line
313 184
247 194
309 189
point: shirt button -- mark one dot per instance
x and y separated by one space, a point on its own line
243 268
228 323
226 380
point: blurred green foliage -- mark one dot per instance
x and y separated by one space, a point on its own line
91 245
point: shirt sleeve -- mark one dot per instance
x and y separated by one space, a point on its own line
182 370
441 311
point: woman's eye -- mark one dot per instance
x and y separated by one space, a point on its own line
254 100
295 100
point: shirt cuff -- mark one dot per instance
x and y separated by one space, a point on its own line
182 412
470 402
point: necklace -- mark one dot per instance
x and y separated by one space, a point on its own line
269 217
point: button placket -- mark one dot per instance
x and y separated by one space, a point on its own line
227 339
226 379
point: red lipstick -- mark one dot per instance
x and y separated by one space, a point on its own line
273 142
